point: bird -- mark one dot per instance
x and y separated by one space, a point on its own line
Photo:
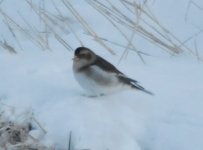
98 76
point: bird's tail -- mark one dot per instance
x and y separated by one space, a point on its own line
134 84
142 89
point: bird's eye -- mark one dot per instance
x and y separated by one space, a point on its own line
82 55
86 56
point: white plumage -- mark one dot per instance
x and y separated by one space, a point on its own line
99 82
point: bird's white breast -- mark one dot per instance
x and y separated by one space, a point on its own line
97 81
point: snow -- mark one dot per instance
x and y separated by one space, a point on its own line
172 119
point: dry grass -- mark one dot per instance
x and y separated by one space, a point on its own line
15 132
141 22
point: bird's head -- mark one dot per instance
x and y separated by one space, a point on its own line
83 57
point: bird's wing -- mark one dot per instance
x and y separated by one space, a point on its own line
106 66
133 83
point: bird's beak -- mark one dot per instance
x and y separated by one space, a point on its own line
75 58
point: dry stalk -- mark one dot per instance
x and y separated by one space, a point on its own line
34 37
144 24
85 25
8 47
45 18
69 26
107 15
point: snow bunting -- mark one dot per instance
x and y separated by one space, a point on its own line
99 77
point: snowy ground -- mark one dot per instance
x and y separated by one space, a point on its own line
171 120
